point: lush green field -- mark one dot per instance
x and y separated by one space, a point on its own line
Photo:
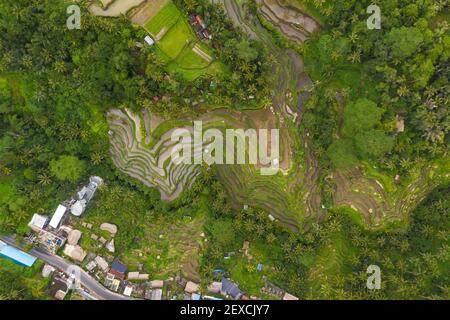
177 38
175 47
165 18
191 59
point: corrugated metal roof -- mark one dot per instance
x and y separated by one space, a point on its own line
17 255
56 219
230 288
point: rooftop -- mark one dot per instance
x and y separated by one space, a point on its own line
231 289
38 221
57 216
16 255
118 266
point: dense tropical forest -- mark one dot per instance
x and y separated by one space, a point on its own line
56 86
400 70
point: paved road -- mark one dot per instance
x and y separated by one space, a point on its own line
95 288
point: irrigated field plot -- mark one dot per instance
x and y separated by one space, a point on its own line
176 39
176 43
164 19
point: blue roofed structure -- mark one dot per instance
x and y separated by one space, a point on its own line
118 269
119 266
16 255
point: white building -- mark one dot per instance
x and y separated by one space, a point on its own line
38 222
85 195
149 40
57 216
128 290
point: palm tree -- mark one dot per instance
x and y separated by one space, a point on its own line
96 158
335 56
353 37
44 179
355 57
190 5
6 171
244 67
403 91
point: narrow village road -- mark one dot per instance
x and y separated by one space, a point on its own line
95 288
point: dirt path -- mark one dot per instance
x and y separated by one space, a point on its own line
202 54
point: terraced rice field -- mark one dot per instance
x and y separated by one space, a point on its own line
380 201
141 147
149 164
294 24
114 8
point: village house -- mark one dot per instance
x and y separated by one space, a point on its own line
75 252
110 246
230 289
48 237
288 296
191 287
273 289
59 286
101 263
91 266
115 285
149 40
128 290
118 269
199 27
215 287
137 276
156 284
47 270
156 294
111 228
109 279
